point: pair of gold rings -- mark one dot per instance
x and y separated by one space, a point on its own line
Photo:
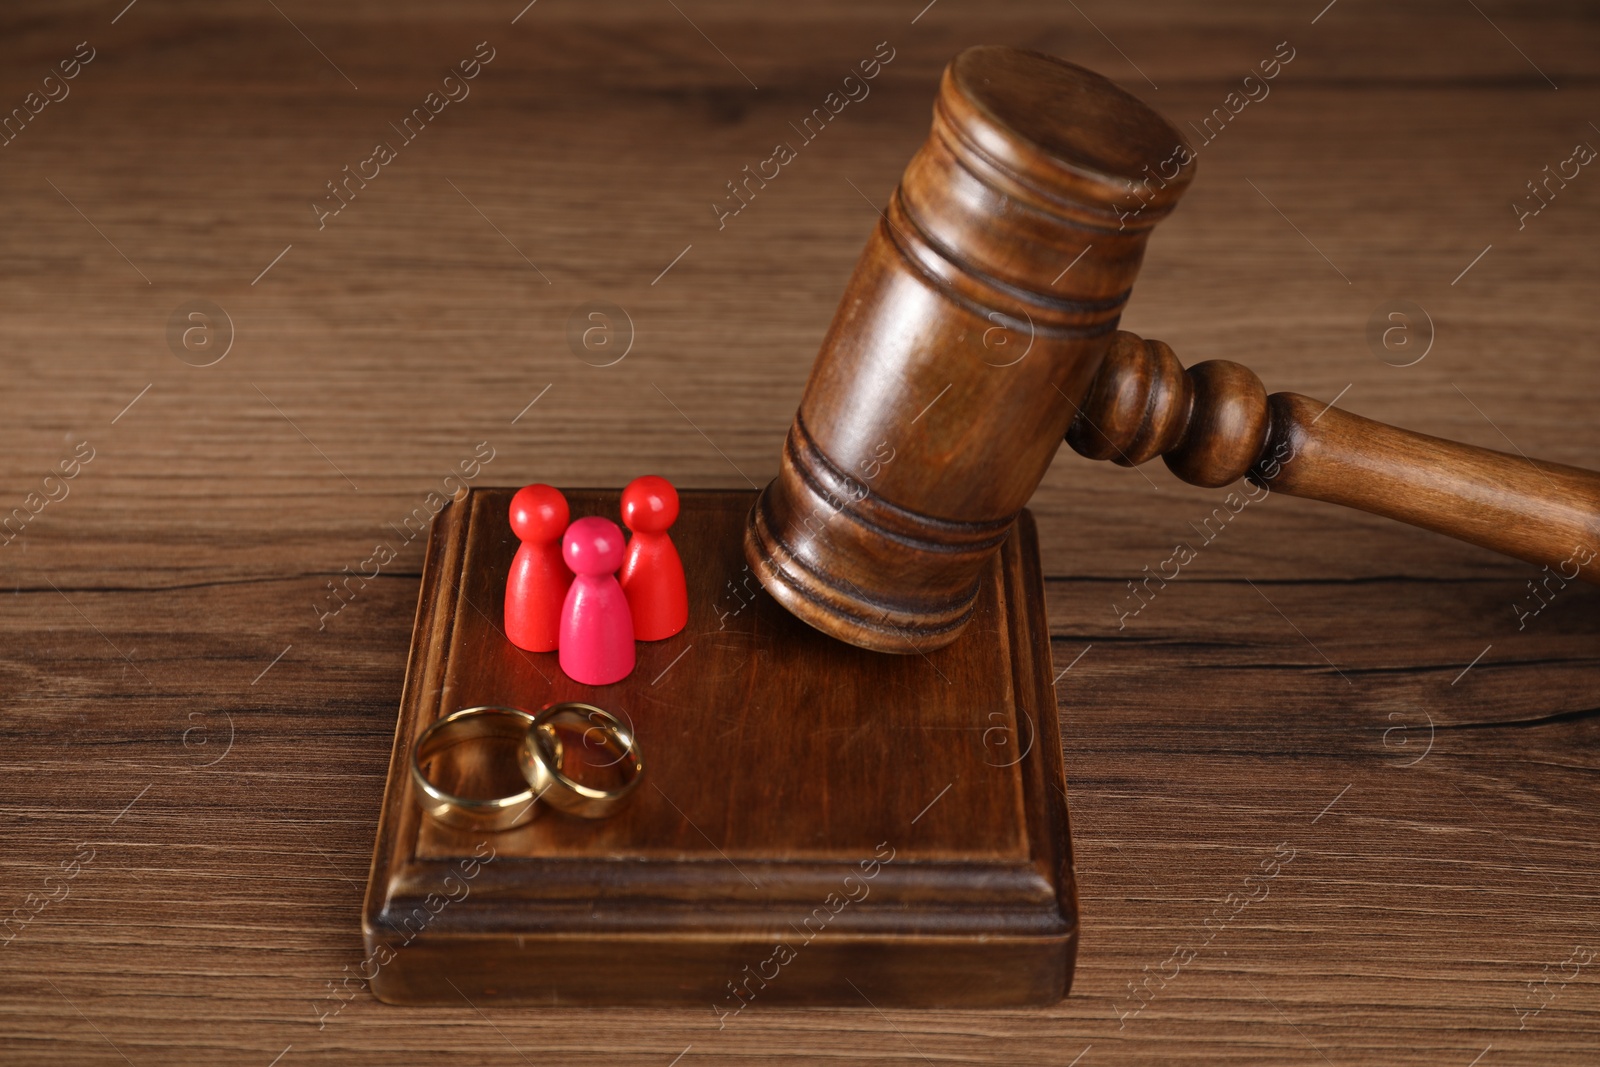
540 757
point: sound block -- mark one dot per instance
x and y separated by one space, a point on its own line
817 824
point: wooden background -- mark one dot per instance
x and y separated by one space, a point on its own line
172 703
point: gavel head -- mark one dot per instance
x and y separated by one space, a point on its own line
979 312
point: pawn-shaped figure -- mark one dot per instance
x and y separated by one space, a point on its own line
596 627
652 573
537 585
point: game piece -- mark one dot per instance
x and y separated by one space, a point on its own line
537 586
596 625
652 573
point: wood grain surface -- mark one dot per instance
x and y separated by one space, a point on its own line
917 800
194 743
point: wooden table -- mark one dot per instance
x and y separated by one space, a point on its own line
194 742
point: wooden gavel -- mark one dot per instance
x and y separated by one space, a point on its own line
979 329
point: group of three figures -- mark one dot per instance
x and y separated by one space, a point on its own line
565 594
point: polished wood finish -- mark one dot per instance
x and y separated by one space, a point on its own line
817 822
969 328
1214 424
216 910
876 527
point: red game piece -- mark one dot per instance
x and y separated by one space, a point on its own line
536 588
652 573
596 626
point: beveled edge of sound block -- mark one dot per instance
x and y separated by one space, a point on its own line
942 936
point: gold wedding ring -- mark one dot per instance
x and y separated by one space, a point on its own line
543 753
476 813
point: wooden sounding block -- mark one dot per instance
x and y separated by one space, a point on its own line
817 823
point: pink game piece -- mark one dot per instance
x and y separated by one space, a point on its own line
652 573
596 626
536 588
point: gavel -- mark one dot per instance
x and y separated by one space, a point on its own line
979 330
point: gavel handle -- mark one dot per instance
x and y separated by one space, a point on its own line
1215 423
